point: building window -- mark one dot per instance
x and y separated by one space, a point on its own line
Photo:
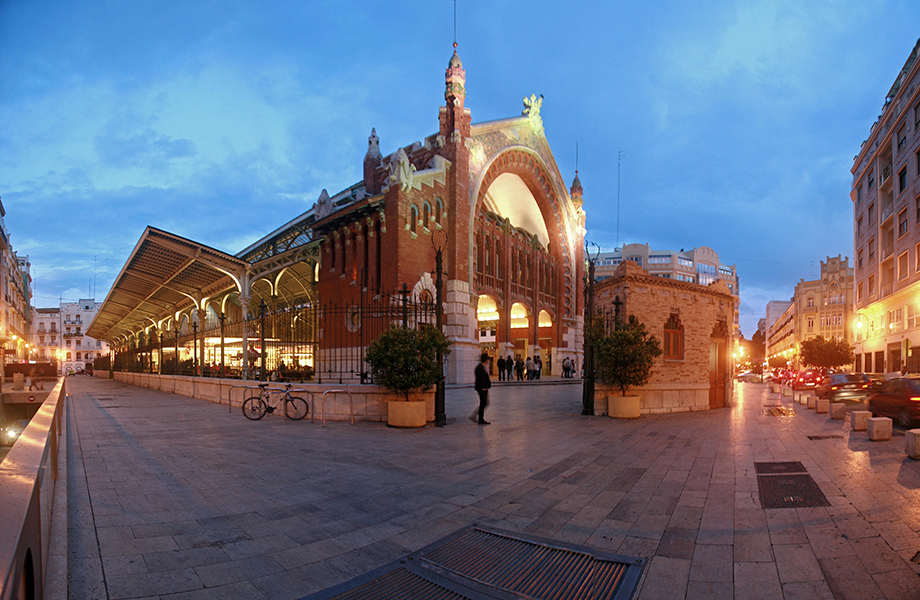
811 322
902 179
858 195
438 209
871 178
859 226
859 258
426 214
859 292
871 285
68 356
903 269
902 137
902 223
871 250
413 219
78 356
871 214
673 339
917 156
810 302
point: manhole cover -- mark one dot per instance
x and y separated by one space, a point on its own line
778 411
825 437
774 468
790 491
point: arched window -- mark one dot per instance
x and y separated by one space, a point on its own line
332 255
673 339
487 268
426 214
479 261
413 219
498 259
438 209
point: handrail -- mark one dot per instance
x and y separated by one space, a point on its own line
25 515
351 402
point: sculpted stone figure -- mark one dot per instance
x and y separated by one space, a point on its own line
401 170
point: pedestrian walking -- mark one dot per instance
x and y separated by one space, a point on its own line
501 368
529 366
537 367
509 364
519 368
566 367
482 385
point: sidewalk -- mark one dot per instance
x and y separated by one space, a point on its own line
176 498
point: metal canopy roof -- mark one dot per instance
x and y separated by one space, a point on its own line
165 274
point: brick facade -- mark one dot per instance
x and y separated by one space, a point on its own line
705 314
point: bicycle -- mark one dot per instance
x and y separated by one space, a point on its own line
255 407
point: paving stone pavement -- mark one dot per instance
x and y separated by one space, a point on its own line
175 498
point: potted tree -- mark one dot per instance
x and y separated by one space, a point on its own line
405 361
623 359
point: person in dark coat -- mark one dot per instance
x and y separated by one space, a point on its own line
482 385
509 364
501 368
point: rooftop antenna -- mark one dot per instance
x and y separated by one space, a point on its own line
455 25
619 157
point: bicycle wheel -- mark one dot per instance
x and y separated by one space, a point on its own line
296 408
254 408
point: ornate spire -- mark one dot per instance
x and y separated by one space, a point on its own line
455 80
373 145
577 191
372 160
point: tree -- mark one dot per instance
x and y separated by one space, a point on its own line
827 354
623 357
403 360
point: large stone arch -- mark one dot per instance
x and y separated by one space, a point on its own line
551 198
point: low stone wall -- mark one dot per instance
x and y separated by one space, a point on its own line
657 398
369 401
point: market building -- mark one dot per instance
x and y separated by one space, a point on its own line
488 197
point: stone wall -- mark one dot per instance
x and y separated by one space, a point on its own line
676 385
364 402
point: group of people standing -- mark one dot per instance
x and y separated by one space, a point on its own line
511 367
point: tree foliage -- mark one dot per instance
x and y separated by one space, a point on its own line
827 354
403 360
623 357
777 362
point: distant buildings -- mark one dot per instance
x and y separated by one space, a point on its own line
698 265
818 307
886 231
59 335
16 282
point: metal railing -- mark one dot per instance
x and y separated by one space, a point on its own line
27 478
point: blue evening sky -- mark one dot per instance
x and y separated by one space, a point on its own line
219 121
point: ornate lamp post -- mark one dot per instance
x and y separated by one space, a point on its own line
195 349
587 398
440 418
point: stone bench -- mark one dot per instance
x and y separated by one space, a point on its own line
822 405
878 428
838 410
912 443
858 419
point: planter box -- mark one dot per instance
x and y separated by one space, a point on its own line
623 407
406 414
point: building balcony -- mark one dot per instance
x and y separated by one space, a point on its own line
886 290
887 212
887 250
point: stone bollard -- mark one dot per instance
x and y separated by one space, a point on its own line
803 399
838 410
812 402
912 443
822 405
787 391
878 428
858 419
797 397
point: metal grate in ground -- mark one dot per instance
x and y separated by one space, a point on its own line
775 468
790 491
480 563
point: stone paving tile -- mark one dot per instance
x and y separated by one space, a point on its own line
677 489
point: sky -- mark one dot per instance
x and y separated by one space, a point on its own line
727 124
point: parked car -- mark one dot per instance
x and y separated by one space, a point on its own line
844 386
898 398
12 433
805 380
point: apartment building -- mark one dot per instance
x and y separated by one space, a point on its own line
698 265
16 283
59 335
886 231
820 307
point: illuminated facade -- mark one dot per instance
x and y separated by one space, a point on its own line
16 281
59 335
821 307
489 195
886 231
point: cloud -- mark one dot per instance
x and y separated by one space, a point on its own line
146 149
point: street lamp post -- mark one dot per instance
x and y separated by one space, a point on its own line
440 417
587 397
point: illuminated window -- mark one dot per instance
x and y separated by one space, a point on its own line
673 339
